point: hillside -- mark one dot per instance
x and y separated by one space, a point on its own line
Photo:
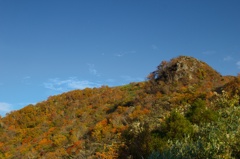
184 110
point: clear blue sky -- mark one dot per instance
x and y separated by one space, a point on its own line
51 46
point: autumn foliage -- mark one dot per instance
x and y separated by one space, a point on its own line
177 103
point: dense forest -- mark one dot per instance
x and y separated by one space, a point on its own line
184 109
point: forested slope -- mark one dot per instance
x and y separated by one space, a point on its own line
184 110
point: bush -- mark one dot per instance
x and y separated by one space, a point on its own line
137 139
198 113
176 126
219 139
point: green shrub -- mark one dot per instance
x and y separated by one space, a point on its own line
176 126
219 139
198 113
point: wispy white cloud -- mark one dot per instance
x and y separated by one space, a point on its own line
209 52
26 77
121 54
132 79
110 80
5 107
26 80
93 70
227 58
238 64
154 47
57 84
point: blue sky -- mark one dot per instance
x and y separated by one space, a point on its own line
51 46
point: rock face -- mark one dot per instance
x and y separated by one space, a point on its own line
185 70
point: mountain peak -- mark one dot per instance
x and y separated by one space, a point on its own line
184 69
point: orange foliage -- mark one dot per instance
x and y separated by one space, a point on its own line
44 141
138 112
85 120
76 147
109 152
